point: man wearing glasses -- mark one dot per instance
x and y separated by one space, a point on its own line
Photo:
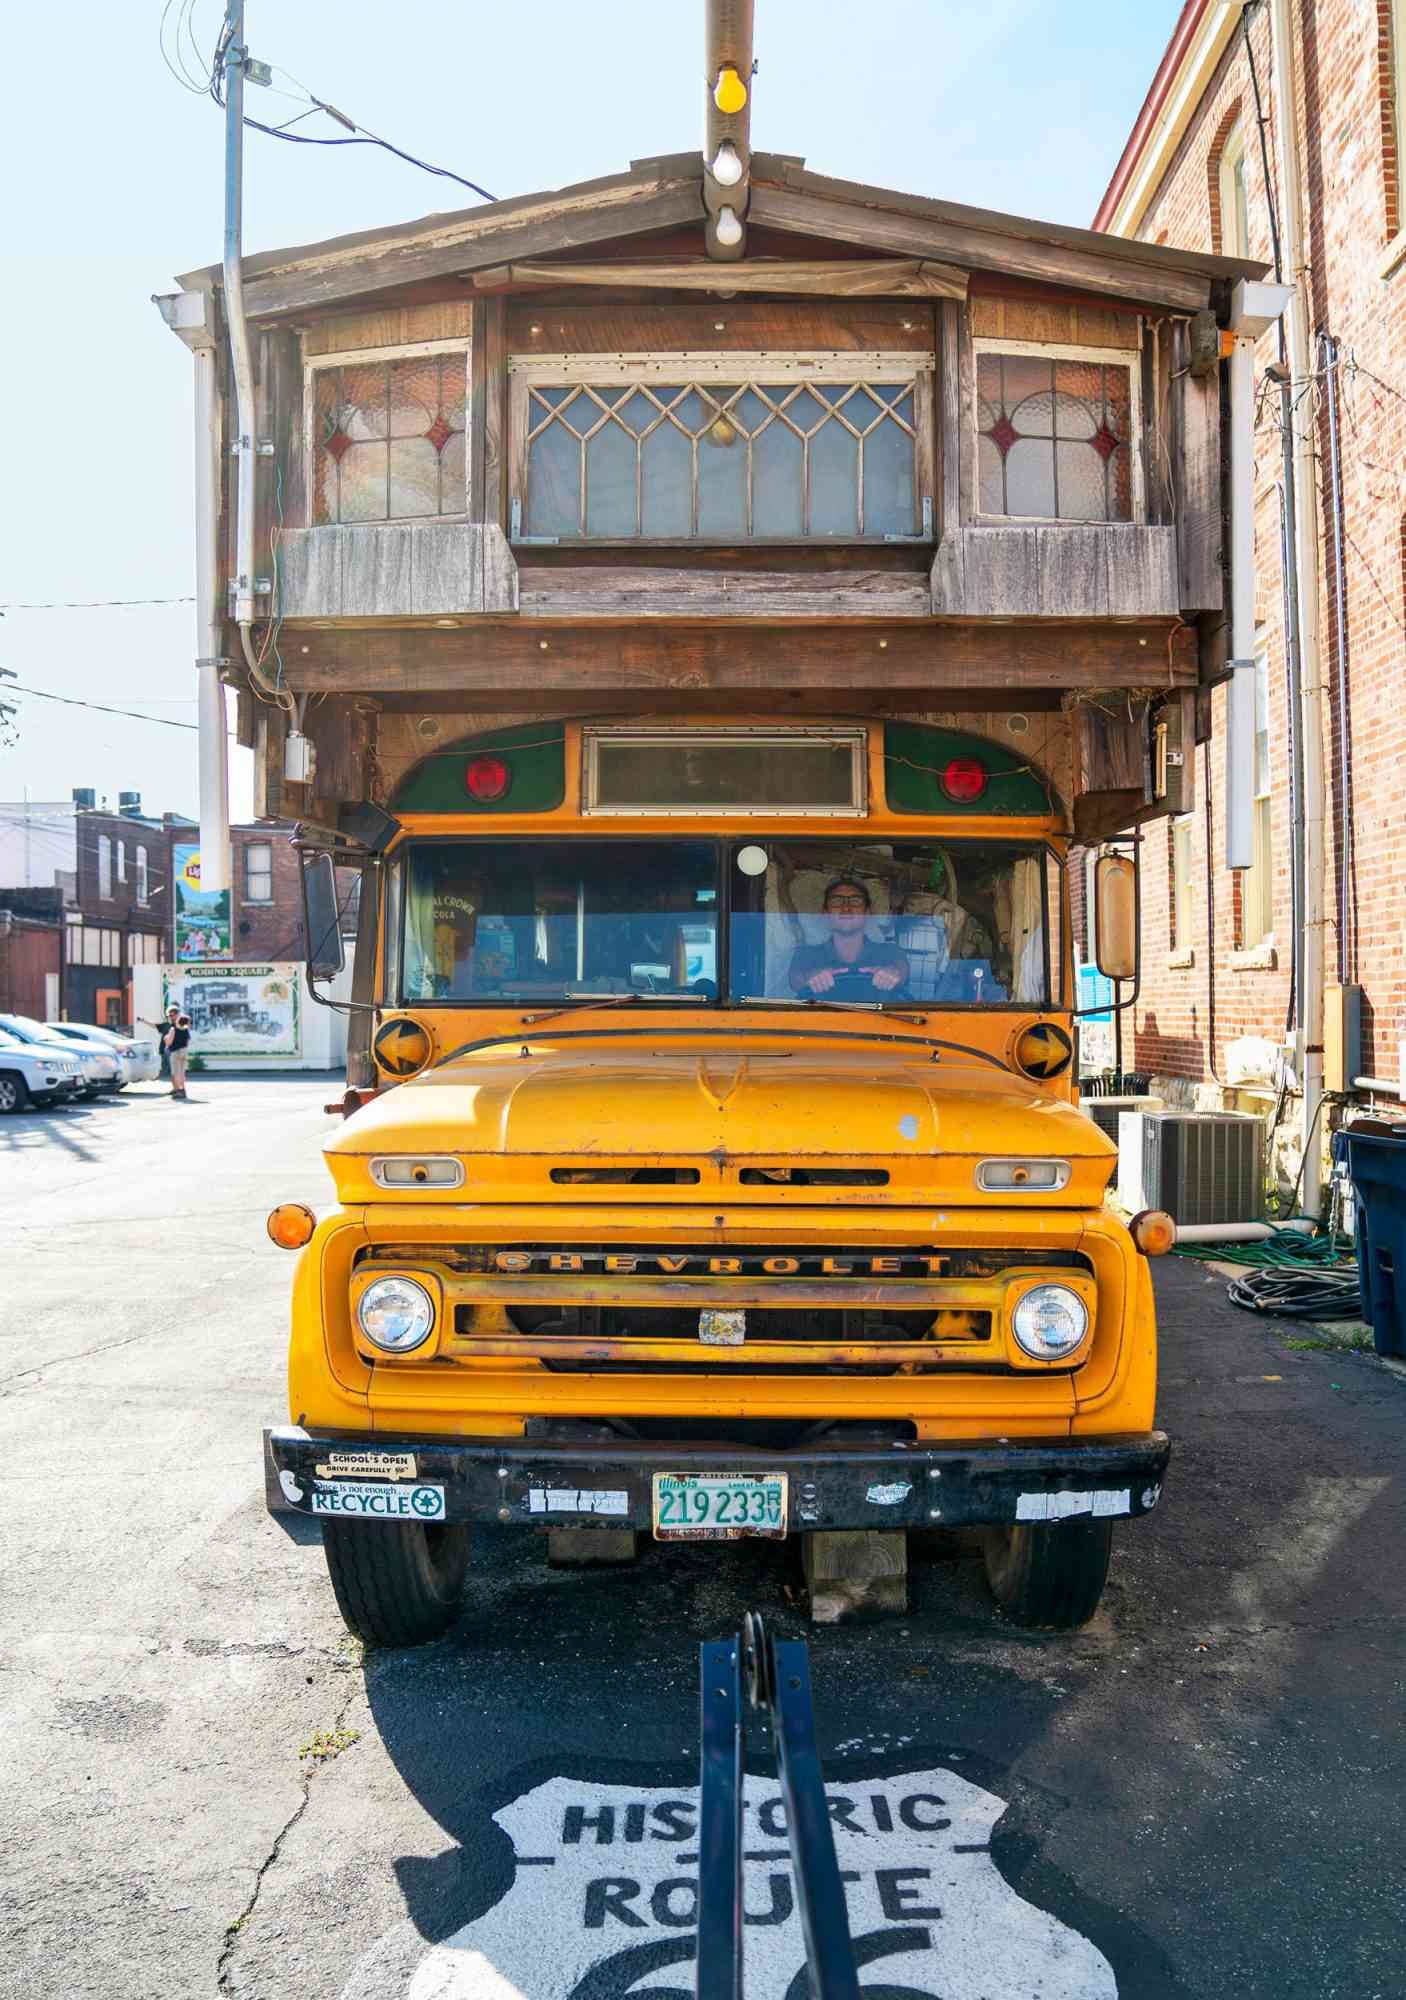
849 963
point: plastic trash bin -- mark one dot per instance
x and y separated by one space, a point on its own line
1376 1162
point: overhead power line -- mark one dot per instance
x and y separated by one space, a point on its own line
360 134
95 603
72 701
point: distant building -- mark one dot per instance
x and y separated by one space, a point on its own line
118 913
38 841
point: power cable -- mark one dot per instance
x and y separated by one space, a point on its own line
72 701
361 135
95 603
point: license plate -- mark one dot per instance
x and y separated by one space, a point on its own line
718 1506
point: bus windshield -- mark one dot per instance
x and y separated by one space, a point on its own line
799 919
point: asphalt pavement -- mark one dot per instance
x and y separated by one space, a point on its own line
209 1789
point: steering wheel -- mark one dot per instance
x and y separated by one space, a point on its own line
857 982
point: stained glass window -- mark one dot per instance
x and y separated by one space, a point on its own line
388 439
726 461
1054 437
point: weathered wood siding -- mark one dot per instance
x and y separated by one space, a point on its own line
397 569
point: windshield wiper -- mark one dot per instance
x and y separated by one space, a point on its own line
582 1000
838 1006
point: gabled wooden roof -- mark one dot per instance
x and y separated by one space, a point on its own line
819 215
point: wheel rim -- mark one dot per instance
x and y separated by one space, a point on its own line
9 1096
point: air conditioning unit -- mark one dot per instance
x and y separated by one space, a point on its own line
1200 1166
1105 1111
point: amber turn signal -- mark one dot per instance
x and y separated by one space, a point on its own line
291 1225
1153 1231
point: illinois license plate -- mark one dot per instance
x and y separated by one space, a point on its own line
718 1506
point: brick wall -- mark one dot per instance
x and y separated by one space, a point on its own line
1189 1013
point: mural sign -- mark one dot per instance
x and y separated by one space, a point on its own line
202 917
604 1903
237 1010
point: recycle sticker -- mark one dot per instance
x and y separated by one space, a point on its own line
604 1902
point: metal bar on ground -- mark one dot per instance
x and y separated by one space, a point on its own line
719 1967
820 1894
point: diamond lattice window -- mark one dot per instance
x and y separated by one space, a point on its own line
1055 437
672 457
388 439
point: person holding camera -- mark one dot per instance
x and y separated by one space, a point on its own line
175 1040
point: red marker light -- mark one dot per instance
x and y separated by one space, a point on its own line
964 780
487 779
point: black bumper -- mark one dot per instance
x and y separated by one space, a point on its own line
610 1484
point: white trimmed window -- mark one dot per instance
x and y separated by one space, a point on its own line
1257 883
104 868
728 448
1181 883
258 872
122 861
386 433
1057 432
143 887
1234 206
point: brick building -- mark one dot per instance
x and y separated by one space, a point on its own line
118 911
1219 947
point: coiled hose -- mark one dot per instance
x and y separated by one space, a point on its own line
1297 1277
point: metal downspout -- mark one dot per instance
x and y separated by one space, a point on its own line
245 441
1306 556
1330 355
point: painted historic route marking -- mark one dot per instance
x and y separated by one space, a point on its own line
603 1903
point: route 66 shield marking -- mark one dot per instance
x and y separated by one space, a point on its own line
603 1904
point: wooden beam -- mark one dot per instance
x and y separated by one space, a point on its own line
905 665
809 214
632 210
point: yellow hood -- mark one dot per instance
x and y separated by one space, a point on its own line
513 1117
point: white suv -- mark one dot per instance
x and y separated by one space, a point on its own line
36 1073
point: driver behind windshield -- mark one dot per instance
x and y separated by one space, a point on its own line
848 955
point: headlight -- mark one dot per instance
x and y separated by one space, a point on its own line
1049 1322
395 1172
395 1314
1027 1176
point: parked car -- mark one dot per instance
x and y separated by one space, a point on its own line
140 1059
97 1067
82 1037
30 1073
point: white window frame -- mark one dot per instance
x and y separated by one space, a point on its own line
1183 827
143 878
1117 357
368 357
1398 101
857 741
621 370
246 893
104 868
1257 882
1234 241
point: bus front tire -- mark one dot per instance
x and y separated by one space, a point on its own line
1048 1575
397 1583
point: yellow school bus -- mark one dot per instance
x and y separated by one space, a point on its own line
725 1173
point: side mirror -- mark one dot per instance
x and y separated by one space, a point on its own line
322 919
1116 916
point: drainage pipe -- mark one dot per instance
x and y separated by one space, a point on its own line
246 443
1306 555
1241 1232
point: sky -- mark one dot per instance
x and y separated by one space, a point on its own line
114 179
